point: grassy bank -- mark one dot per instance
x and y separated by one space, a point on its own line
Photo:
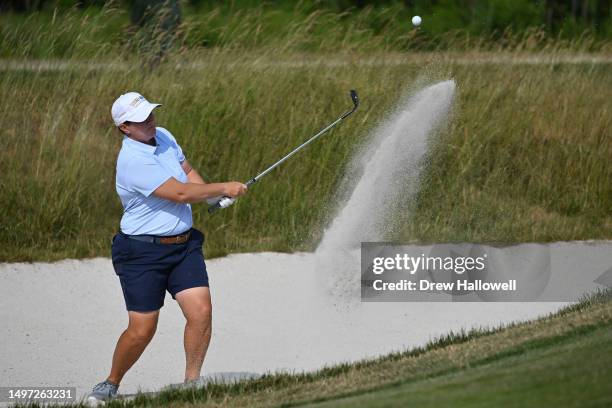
559 360
526 156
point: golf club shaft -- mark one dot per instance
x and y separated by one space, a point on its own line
294 151
255 179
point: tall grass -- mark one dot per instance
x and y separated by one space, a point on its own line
296 26
526 157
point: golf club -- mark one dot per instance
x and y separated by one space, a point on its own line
225 202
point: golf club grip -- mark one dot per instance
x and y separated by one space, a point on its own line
213 208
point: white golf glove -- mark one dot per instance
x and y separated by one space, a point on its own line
224 202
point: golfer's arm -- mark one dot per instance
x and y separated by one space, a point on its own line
174 190
192 175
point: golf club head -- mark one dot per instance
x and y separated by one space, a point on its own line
355 98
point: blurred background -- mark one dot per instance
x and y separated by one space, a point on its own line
210 23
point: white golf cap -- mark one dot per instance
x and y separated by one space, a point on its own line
132 107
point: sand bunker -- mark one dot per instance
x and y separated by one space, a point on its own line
61 321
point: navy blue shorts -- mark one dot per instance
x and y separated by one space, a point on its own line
146 270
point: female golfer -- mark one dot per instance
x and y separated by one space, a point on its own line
156 249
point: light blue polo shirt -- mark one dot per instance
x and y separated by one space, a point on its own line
141 168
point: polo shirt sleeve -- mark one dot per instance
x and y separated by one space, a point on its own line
179 152
145 175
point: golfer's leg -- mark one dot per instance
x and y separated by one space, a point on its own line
197 309
132 342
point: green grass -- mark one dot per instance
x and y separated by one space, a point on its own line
64 32
559 360
570 372
525 157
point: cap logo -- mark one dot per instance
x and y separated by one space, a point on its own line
137 101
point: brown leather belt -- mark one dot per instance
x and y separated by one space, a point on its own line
174 239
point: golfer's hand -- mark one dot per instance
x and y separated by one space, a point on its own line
234 189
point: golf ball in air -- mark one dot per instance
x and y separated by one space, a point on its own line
416 21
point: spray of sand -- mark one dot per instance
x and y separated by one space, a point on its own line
390 167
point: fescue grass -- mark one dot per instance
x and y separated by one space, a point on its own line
526 156
561 359
62 32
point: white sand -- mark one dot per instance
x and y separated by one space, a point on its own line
61 322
